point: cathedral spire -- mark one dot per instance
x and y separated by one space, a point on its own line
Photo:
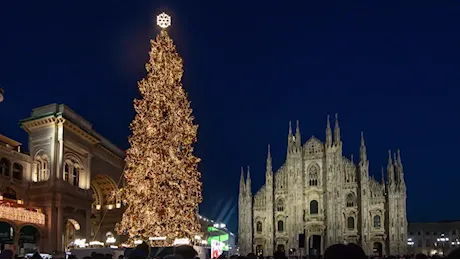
337 130
248 182
269 162
242 184
400 168
383 177
297 134
290 129
390 170
328 132
362 149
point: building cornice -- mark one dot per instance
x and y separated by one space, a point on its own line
80 132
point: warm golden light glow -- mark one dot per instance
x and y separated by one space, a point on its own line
163 20
163 186
21 214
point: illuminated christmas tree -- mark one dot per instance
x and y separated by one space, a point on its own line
163 187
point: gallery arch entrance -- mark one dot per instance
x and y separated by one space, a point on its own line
6 235
29 239
314 246
72 231
378 249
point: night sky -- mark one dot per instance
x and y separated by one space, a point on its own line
388 68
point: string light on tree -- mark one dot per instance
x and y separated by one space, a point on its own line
163 186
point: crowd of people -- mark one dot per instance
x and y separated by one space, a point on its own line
337 251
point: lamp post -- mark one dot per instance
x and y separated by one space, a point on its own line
442 240
410 243
456 242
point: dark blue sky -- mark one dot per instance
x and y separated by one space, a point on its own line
389 68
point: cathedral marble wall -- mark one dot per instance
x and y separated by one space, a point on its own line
327 197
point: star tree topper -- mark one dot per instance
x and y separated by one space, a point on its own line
163 20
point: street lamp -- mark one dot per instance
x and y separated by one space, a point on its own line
443 240
456 242
410 243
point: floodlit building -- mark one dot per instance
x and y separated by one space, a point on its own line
432 238
61 190
318 197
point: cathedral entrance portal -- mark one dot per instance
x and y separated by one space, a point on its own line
280 248
259 250
314 246
377 249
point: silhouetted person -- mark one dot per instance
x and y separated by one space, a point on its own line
98 256
421 256
356 251
279 255
36 255
186 251
454 254
339 251
7 254
251 256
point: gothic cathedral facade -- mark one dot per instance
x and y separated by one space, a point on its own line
318 198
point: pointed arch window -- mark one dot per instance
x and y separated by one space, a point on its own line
280 205
377 223
17 171
313 207
351 222
259 227
280 226
5 167
313 176
351 200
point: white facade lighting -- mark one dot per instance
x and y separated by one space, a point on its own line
138 242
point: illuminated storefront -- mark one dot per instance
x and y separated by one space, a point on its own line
20 228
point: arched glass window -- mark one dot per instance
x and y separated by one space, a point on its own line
313 207
17 171
66 171
280 205
259 227
5 167
75 173
351 200
377 223
280 226
351 223
313 176
44 170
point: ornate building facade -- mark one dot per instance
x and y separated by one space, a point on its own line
62 189
318 198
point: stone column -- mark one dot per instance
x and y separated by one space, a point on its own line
88 225
49 234
60 228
